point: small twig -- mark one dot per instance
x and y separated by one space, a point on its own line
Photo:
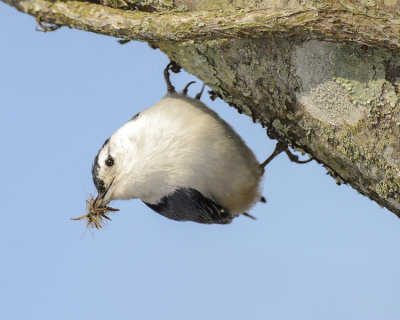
123 41
212 94
44 26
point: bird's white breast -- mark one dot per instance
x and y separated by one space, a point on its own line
179 142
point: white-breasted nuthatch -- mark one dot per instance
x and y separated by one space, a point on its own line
182 160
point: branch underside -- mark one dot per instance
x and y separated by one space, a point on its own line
325 78
339 24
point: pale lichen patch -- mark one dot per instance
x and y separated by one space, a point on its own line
313 63
329 102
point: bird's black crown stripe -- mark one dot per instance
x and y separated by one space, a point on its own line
98 183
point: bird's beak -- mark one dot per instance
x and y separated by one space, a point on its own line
104 198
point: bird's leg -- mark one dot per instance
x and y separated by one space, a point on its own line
280 147
295 158
170 87
174 68
198 96
185 90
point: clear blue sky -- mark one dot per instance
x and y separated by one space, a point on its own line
316 250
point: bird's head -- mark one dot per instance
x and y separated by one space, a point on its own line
111 170
104 172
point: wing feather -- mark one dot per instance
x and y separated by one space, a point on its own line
186 204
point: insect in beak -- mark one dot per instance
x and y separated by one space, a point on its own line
97 209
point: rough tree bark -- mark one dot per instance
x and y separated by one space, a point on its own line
322 75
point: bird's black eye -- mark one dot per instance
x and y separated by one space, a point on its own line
109 161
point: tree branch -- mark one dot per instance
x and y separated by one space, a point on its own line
322 22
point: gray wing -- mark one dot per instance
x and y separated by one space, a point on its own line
187 204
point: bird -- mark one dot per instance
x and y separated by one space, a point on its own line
182 160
